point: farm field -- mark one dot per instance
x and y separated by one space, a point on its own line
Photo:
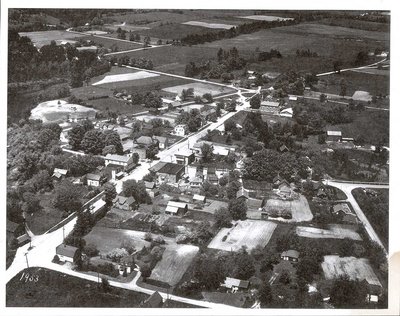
174 263
355 268
42 38
249 233
125 77
334 231
374 71
357 24
110 42
107 239
172 31
210 25
119 106
265 18
56 110
173 59
125 26
199 89
55 289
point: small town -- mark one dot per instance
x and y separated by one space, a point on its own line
222 159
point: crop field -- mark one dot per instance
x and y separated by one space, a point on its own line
173 31
126 77
354 268
125 26
174 263
210 25
374 71
55 110
249 233
45 37
265 18
199 88
334 231
107 42
299 208
173 59
357 24
107 239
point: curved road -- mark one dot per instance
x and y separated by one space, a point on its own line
347 187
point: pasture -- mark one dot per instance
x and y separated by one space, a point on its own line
354 268
249 233
210 25
42 38
334 231
175 261
107 239
199 89
125 77
56 110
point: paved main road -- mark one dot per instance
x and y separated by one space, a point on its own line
347 187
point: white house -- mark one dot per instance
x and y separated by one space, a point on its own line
67 253
94 180
124 161
180 130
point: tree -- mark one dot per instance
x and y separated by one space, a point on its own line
146 271
209 271
75 136
346 293
109 193
238 209
90 250
111 138
105 285
84 223
223 217
136 189
67 197
322 97
244 265
255 102
31 202
207 152
343 88
93 142
41 181
265 294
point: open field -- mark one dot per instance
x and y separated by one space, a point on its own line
126 77
55 110
173 59
199 89
172 31
355 268
334 231
174 263
55 289
249 233
107 239
42 38
299 208
125 26
357 24
110 42
119 106
210 25
376 209
265 18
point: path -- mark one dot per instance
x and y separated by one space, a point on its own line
347 187
348 69
135 50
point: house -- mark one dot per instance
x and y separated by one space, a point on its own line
170 172
242 194
257 189
209 114
373 291
288 112
162 142
126 264
277 180
95 180
67 253
184 156
125 203
113 172
333 136
290 255
199 198
181 130
60 173
176 208
284 189
154 301
269 106
140 150
235 284
292 98
124 161
145 140
151 188
23 239
283 148
343 211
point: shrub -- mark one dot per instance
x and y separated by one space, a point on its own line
56 259
90 250
116 254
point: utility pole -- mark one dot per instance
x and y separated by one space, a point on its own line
63 233
26 257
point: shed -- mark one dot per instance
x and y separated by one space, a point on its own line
176 208
231 283
199 198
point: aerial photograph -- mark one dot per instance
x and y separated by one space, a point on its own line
197 158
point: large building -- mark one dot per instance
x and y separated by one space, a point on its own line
170 172
124 161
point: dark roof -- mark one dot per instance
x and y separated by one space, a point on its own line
124 200
159 165
66 250
155 300
290 253
171 168
23 238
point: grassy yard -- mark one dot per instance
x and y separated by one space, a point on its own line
54 289
376 208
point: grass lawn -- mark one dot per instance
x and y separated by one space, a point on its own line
54 289
376 208
116 105
372 125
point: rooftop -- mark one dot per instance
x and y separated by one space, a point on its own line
144 140
334 133
291 253
66 250
93 177
231 282
117 158
171 168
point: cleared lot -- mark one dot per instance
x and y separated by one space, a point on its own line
334 231
354 268
249 233
174 263
199 88
126 77
299 208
